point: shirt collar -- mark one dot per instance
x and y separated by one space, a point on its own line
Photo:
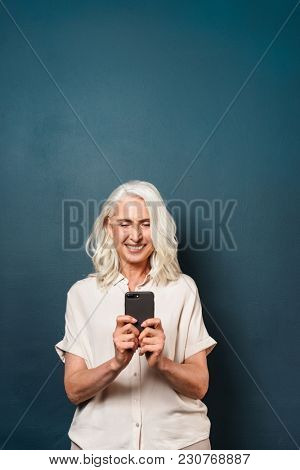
120 278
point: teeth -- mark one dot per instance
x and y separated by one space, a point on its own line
135 248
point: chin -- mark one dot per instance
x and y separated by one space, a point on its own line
136 256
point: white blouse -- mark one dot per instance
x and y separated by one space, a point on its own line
139 409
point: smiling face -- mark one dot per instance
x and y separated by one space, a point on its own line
129 228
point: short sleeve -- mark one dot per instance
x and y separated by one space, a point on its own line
198 338
71 341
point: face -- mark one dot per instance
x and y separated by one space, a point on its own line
130 229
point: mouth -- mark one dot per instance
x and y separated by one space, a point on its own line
134 248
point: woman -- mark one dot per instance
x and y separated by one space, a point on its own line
125 398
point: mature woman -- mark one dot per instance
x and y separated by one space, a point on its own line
127 399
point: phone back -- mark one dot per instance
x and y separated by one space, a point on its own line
140 305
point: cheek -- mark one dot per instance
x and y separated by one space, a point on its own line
119 236
147 237
150 243
150 247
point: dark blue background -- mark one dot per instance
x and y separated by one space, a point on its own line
149 81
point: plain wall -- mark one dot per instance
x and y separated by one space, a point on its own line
95 91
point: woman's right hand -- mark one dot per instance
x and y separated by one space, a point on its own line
125 339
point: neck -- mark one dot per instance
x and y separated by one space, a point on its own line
135 271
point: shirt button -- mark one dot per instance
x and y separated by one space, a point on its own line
137 425
135 374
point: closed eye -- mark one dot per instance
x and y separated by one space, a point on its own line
127 225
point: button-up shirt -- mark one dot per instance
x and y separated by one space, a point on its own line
139 409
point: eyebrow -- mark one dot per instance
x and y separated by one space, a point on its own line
129 220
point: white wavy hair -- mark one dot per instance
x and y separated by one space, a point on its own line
163 260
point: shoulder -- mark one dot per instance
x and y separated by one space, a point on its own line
185 284
188 281
83 285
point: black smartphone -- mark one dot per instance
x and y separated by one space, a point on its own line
139 305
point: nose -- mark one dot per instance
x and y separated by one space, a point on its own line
135 234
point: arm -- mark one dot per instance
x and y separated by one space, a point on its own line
191 378
82 383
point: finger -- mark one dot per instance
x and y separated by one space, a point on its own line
153 322
126 345
129 328
147 332
129 337
123 319
148 340
150 348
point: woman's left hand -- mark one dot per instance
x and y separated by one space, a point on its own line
152 339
